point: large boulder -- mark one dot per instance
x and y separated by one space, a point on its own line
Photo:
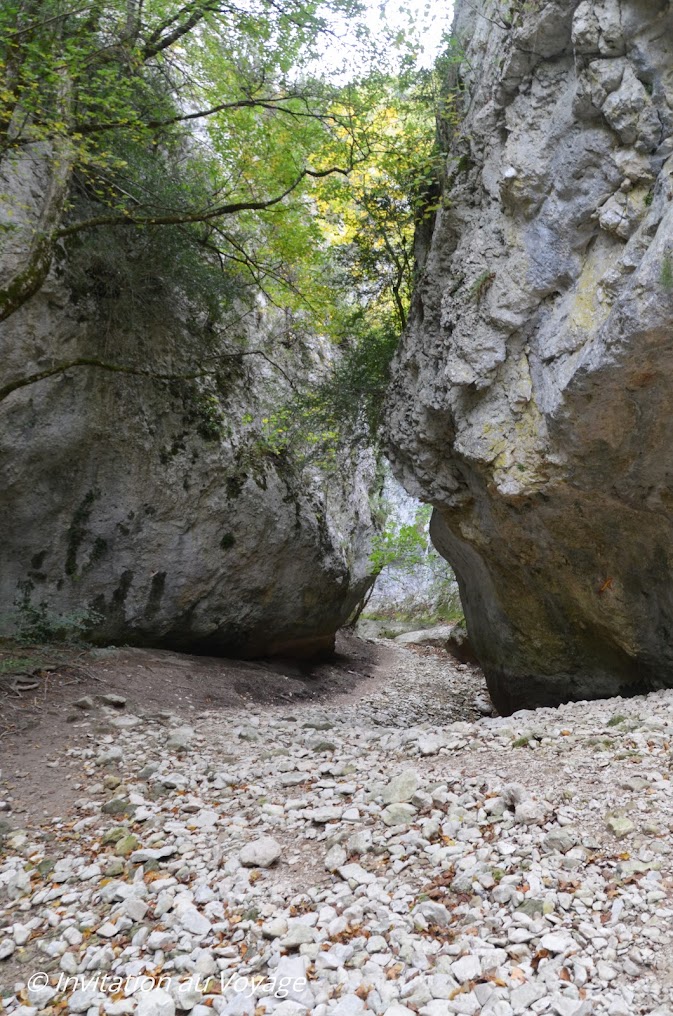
169 511
531 397
436 637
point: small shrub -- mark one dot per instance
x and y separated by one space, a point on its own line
481 285
12 664
35 625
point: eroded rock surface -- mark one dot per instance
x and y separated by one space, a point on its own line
169 505
531 397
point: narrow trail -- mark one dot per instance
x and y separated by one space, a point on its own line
356 840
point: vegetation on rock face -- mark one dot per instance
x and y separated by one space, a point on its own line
180 166
166 114
193 150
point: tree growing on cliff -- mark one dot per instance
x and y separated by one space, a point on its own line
142 114
193 145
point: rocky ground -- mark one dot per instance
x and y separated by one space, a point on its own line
384 847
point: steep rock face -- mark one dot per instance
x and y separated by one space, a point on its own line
162 505
531 401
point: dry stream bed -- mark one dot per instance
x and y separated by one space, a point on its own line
193 835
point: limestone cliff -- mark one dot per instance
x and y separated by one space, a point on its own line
531 401
141 483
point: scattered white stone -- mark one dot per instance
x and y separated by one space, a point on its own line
467 968
194 922
558 942
297 934
468 867
335 857
40 995
180 739
84 999
563 839
530 812
261 853
356 873
275 928
401 788
398 814
155 1002
7 947
620 826
329 813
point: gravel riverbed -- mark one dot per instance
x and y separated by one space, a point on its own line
390 851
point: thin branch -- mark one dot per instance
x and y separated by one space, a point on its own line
271 103
120 368
205 214
15 33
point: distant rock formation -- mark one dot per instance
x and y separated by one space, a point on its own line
532 394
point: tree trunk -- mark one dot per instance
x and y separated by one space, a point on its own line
33 268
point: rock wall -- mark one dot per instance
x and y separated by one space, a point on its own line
422 587
531 400
161 505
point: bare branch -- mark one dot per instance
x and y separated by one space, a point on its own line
270 103
34 268
120 368
156 44
205 214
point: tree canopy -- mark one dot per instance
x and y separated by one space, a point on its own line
209 123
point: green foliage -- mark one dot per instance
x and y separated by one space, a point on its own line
522 742
134 280
33 625
211 117
12 664
666 273
179 115
207 162
481 284
346 402
405 547
365 266
402 545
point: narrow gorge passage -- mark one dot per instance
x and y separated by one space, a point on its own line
261 262
338 848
